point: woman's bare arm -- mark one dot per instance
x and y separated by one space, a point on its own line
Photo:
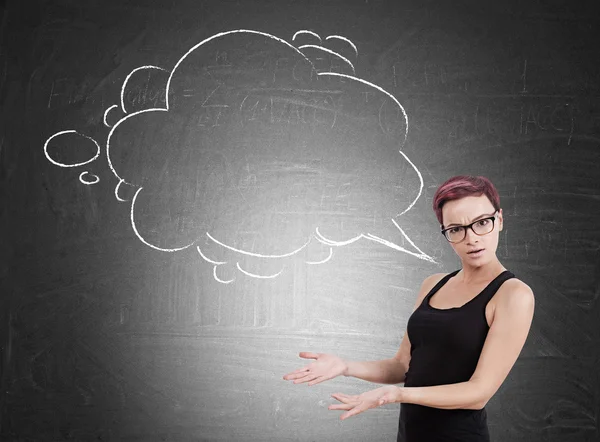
392 370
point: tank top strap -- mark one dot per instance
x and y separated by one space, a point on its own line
493 286
439 285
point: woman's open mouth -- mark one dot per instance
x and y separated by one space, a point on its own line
476 253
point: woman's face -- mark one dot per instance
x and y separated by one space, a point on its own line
464 211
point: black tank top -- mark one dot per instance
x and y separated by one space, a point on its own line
445 348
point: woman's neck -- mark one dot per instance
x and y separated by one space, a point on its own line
475 275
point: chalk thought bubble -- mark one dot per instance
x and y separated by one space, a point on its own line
262 150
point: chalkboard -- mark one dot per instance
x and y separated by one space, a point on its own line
195 191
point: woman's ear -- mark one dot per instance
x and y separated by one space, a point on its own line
500 219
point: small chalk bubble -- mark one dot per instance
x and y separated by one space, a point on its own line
88 181
106 112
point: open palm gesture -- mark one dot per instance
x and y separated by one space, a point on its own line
354 404
325 367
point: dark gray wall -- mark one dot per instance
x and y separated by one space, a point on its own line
104 337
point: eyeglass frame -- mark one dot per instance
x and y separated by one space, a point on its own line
470 226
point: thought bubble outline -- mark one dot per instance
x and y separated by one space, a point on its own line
318 235
329 243
305 31
329 51
106 114
339 37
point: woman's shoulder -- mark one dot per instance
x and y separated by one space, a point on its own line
432 280
514 287
516 283
427 285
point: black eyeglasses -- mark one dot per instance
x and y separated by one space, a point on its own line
480 227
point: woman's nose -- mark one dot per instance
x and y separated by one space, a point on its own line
471 236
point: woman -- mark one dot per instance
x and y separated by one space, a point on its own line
463 337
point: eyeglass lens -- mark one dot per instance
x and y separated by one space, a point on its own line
481 227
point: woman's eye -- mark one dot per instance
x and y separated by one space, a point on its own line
483 222
455 229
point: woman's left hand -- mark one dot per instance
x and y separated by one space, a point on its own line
370 399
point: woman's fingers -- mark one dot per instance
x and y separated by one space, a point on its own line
301 372
326 367
308 355
307 378
352 405
344 407
318 380
353 412
296 374
344 397
311 378
355 404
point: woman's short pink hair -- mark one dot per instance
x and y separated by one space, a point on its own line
461 186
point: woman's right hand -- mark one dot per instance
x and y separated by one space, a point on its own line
324 367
